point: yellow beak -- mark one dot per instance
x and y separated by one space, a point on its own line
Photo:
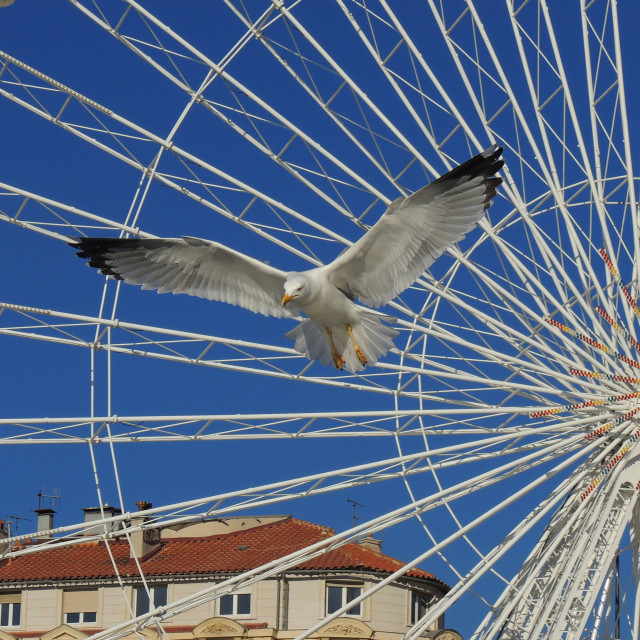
287 298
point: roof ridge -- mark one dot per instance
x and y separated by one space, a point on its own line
286 521
314 525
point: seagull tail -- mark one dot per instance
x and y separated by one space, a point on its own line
372 335
311 341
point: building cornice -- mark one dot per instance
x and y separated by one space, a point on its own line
357 573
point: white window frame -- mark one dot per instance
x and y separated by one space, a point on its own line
152 596
234 609
10 607
81 619
344 587
81 604
414 616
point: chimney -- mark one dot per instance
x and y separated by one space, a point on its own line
371 543
91 514
4 534
45 519
144 541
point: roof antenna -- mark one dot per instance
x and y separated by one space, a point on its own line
54 498
13 520
355 504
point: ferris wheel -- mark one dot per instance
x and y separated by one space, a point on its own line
501 434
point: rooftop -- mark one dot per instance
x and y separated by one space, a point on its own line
232 552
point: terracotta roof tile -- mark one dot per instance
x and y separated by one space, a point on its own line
227 553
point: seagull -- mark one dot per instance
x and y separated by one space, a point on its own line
411 234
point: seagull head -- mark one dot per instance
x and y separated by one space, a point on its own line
294 287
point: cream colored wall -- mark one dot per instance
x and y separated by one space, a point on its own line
389 609
263 599
196 615
114 605
386 611
266 608
41 609
306 602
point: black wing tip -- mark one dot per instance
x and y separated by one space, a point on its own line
96 251
485 164
494 152
104 244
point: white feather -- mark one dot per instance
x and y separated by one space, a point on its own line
371 334
414 232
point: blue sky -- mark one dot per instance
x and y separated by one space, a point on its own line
44 379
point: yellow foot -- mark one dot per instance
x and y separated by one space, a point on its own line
356 348
361 356
338 360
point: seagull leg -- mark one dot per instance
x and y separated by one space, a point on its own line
358 350
338 360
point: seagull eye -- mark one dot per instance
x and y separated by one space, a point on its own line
299 288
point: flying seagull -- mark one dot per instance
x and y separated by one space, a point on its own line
411 234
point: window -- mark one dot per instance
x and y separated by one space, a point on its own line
420 603
80 616
10 610
339 595
144 604
235 604
80 606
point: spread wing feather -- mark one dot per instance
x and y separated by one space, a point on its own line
415 231
188 265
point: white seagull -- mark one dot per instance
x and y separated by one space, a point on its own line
411 234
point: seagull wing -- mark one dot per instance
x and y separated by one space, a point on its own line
415 231
189 265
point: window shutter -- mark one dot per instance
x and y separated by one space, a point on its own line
10 597
80 601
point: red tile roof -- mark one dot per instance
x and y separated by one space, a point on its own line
227 553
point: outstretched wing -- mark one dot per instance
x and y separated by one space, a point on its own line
188 265
415 231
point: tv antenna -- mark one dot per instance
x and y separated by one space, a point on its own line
53 497
14 520
355 504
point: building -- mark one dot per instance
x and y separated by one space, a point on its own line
72 592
